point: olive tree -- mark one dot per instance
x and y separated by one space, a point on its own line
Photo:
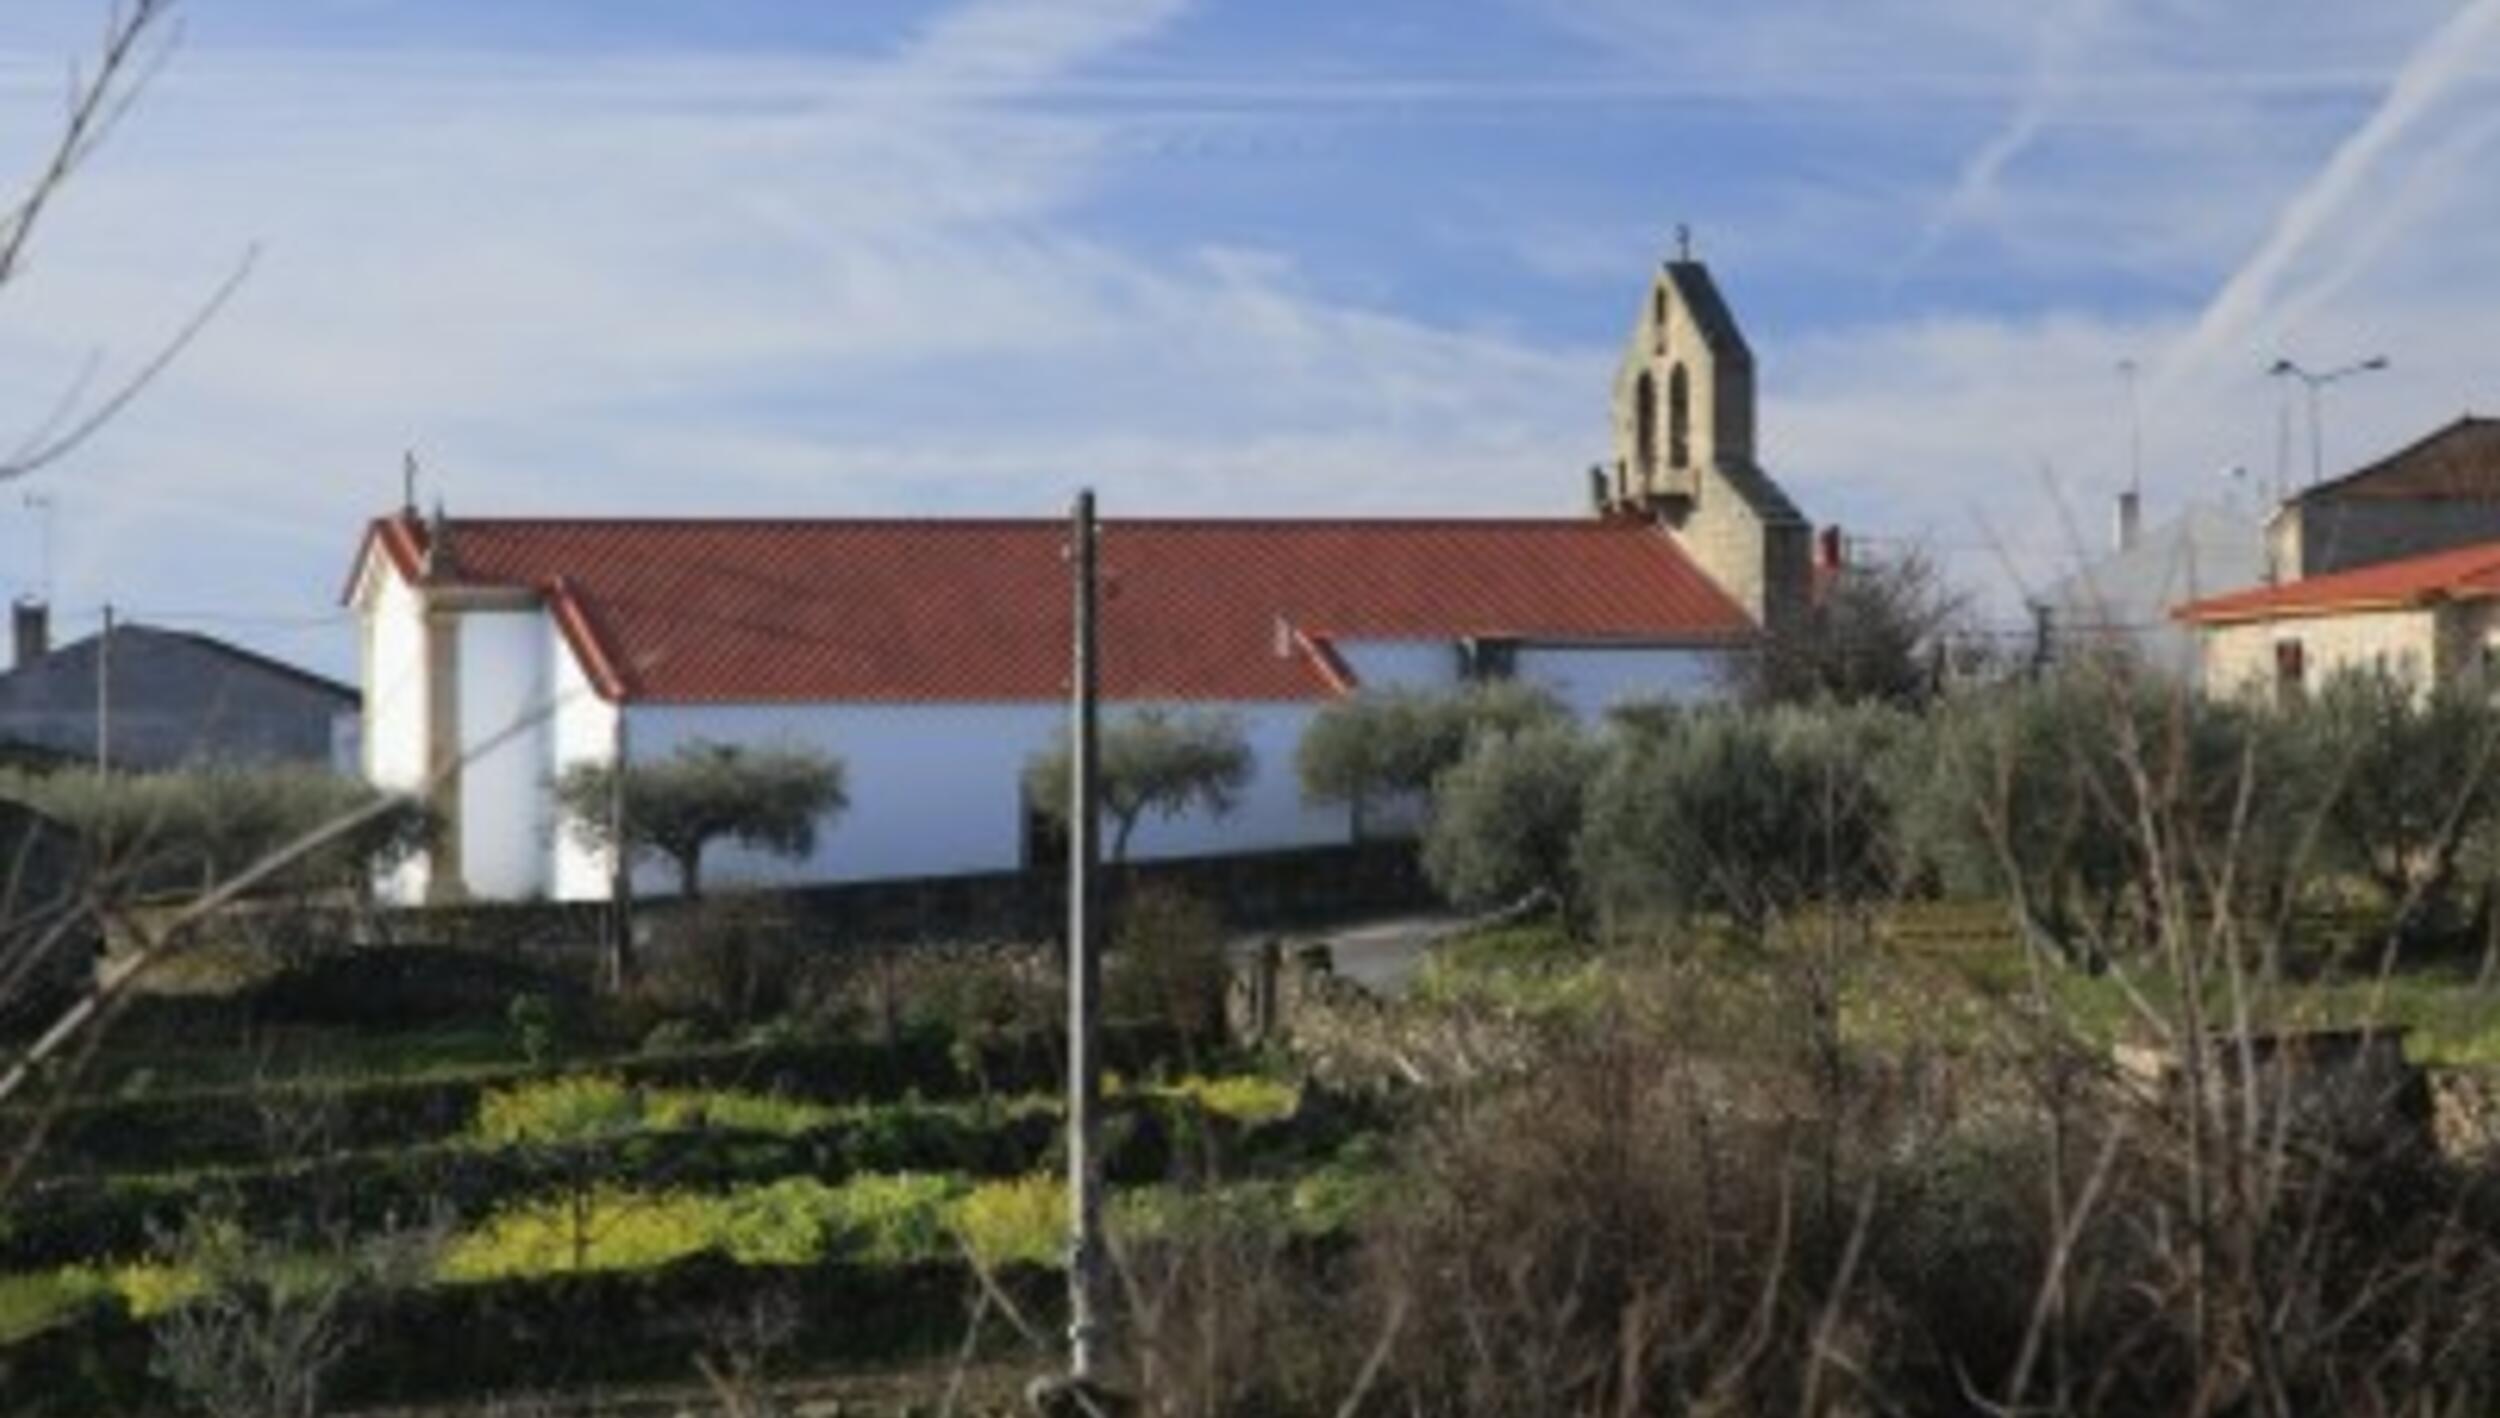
1871 634
1388 745
189 829
1750 816
771 799
1152 760
2413 779
2094 798
1507 816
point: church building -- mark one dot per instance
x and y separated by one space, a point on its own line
931 655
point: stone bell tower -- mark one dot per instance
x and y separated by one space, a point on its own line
1684 445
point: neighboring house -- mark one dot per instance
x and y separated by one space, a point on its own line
162 699
2123 599
2440 492
2426 618
932 656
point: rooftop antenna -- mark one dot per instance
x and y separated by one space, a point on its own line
408 484
1683 242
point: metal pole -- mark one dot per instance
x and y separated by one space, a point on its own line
1085 1257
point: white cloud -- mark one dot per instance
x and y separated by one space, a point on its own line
642 286
886 284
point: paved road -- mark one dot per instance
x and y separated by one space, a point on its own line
1381 955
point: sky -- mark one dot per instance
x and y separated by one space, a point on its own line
1218 257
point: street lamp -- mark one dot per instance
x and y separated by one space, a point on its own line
2314 381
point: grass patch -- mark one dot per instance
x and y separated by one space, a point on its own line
301 1056
1953 975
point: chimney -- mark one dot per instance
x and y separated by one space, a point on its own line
30 630
1830 551
439 563
2130 518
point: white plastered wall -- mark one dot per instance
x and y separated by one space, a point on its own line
937 789
2240 659
393 735
506 743
1590 679
584 731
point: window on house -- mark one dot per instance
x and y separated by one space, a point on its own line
2291 669
1658 318
1487 657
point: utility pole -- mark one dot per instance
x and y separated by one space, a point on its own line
1085 1254
104 695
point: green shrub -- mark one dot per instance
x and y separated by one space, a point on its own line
559 1110
897 1217
32 1302
1021 1219
729 960
793 1221
533 1019
586 1106
1243 1098
1167 964
614 1228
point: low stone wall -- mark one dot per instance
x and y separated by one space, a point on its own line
1263 891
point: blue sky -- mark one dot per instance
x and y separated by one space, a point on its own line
1219 256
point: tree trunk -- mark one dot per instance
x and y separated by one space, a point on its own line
690 874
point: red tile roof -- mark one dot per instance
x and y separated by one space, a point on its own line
755 611
2462 573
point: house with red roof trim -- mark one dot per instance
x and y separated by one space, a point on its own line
2424 618
932 655
2393 567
